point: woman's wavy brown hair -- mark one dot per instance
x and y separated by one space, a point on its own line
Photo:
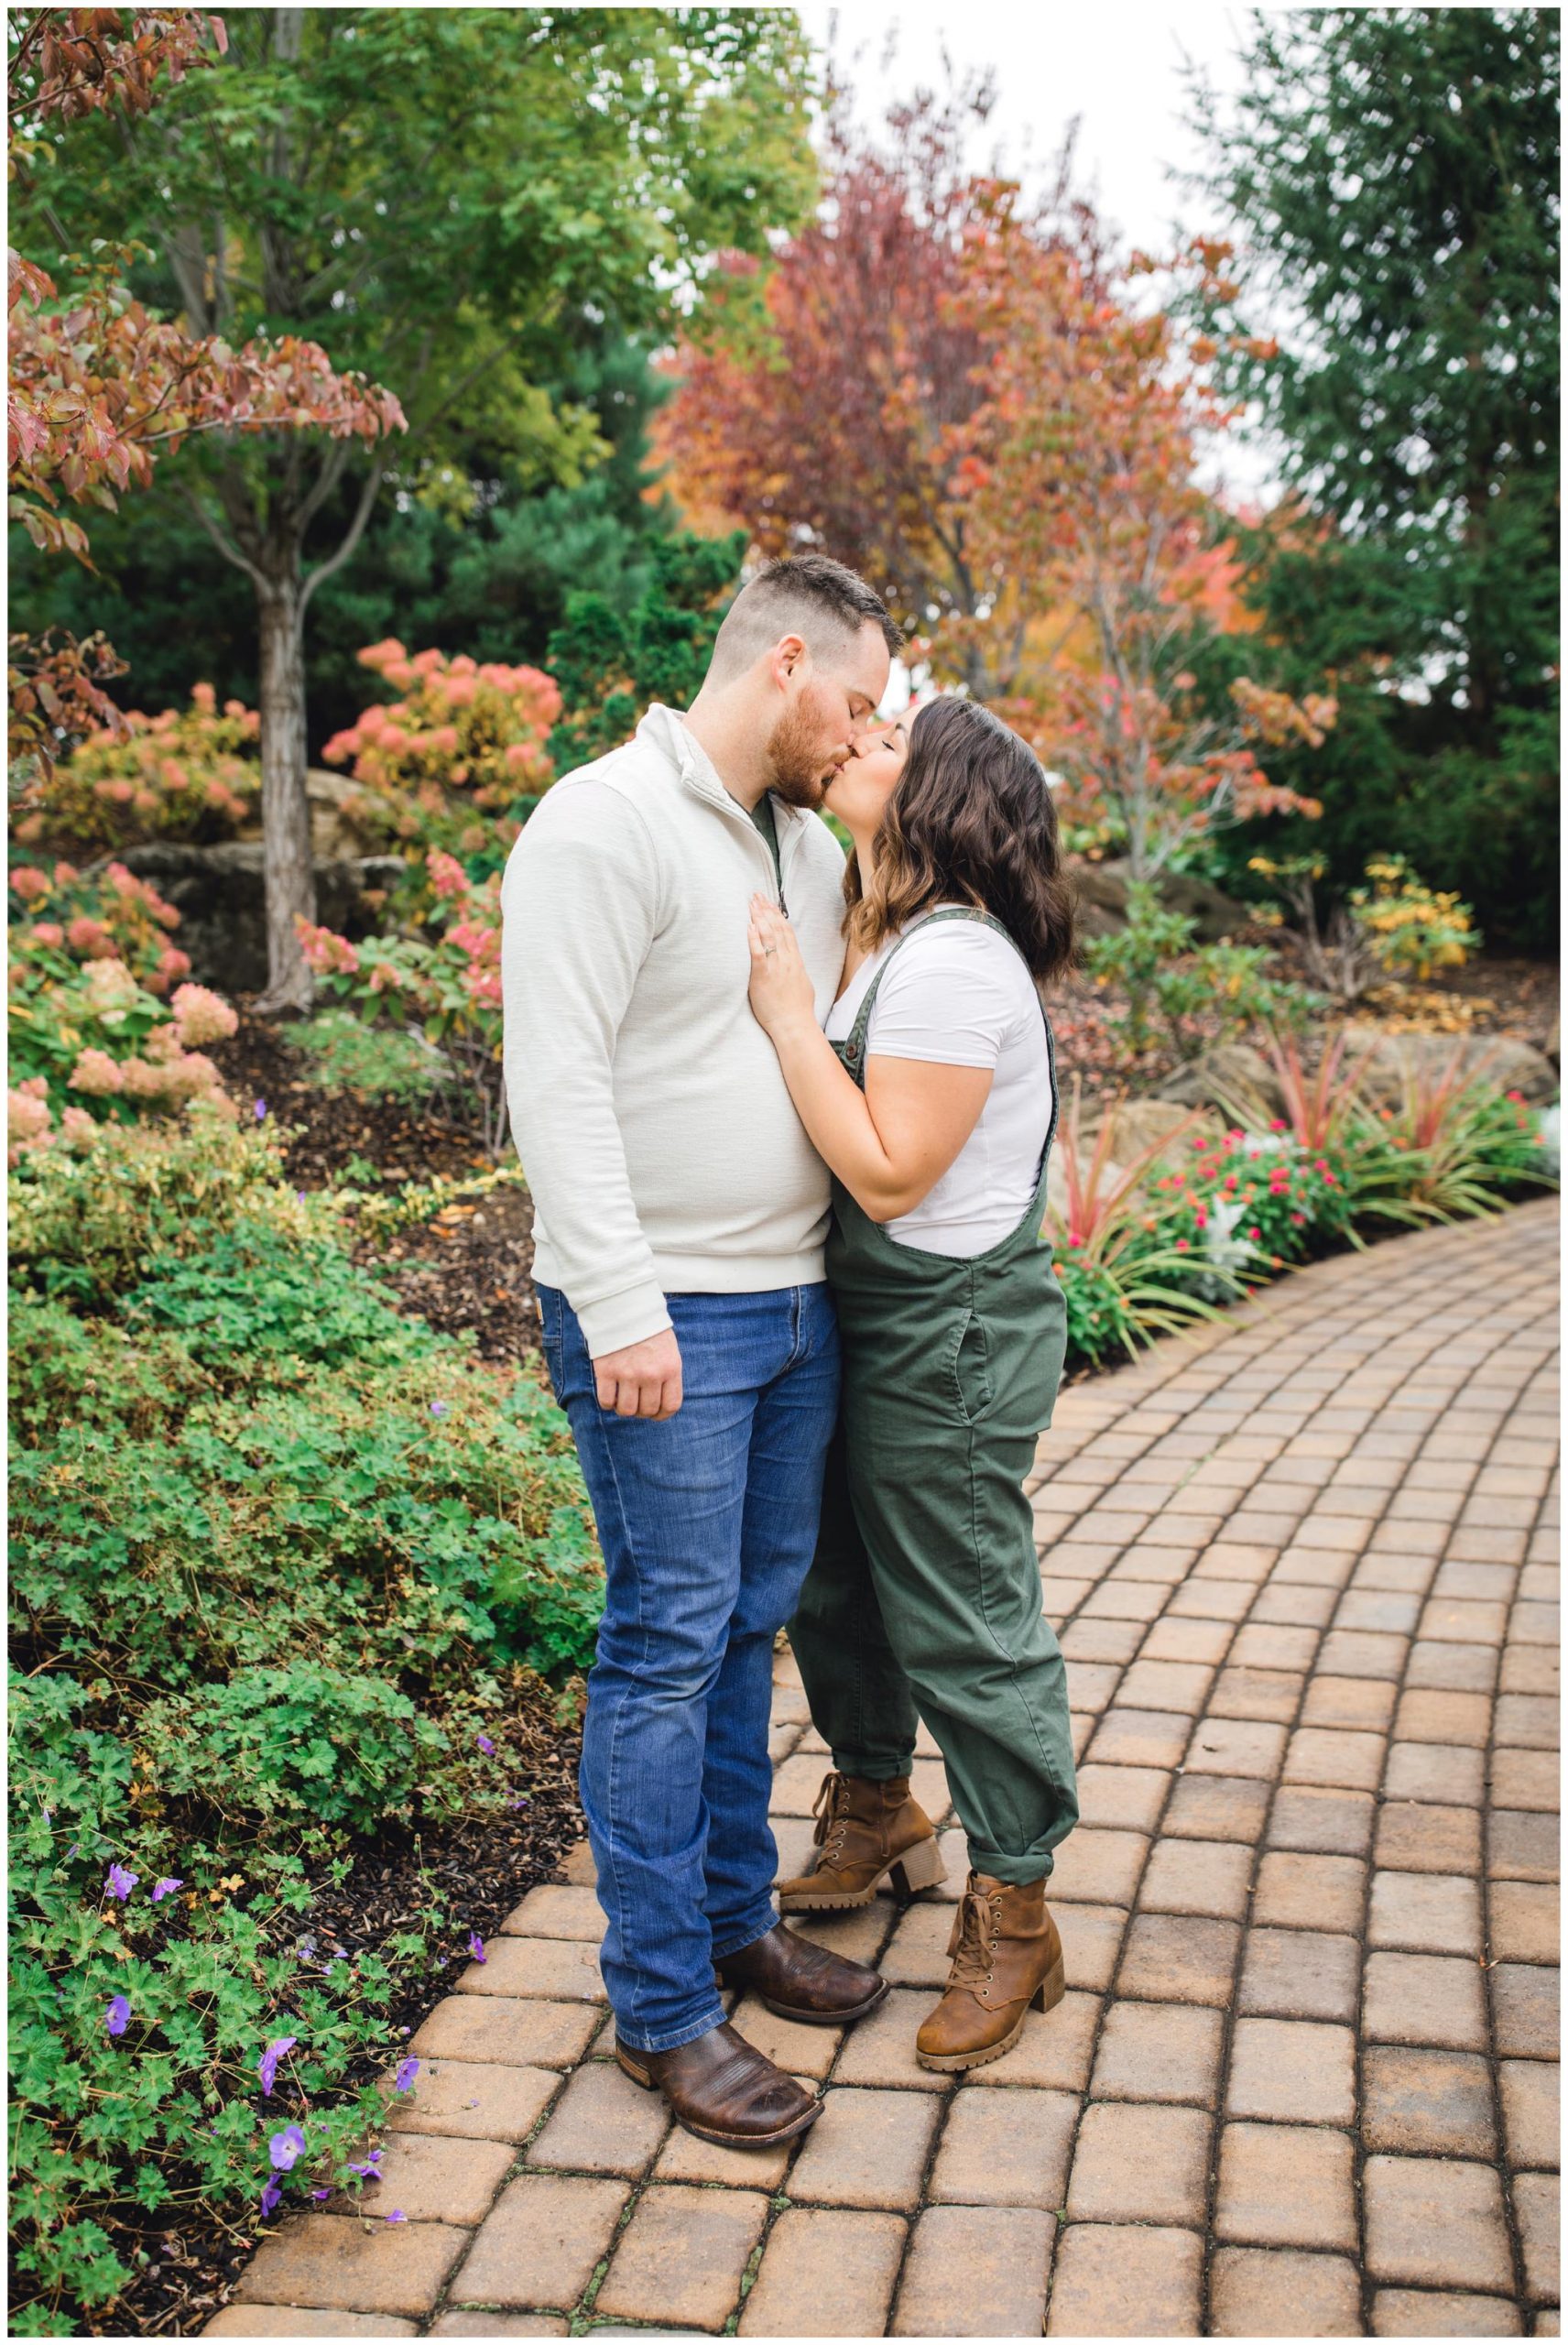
971 822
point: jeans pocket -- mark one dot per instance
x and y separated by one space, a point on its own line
551 1319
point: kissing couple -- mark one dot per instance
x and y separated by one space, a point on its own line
785 1117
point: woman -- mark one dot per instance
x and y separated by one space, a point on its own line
932 1099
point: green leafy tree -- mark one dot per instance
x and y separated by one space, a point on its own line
1390 176
463 196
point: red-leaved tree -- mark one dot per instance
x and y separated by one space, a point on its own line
825 400
975 401
1077 469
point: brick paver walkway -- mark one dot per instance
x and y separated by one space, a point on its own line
1304 2082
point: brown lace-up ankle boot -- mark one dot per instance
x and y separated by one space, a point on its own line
1007 1961
865 1833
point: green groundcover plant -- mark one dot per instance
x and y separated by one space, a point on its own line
284 1563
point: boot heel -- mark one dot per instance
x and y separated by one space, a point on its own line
919 1868
638 2075
1052 1988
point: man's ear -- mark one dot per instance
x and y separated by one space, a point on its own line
789 662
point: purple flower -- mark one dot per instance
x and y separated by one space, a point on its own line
117 2015
438 1408
266 2067
397 2216
370 2166
518 1799
285 2147
486 1745
477 1946
259 1110
166 1887
325 2192
404 2079
120 1882
271 2198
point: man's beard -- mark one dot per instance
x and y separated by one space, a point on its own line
795 752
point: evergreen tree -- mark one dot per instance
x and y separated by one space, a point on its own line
1391 178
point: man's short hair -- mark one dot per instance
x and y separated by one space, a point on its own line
820 601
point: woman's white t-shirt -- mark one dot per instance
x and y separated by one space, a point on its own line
962 996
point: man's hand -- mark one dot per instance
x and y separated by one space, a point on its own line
641 1380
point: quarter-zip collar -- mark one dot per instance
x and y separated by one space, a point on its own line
664 730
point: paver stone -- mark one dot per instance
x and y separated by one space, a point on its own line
681 2258
826 2272
1125 2280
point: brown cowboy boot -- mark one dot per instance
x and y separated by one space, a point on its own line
1007 1961
865 1833
723 2090
803 1981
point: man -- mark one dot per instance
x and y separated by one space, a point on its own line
680 1211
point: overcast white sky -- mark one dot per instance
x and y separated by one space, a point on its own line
1114 66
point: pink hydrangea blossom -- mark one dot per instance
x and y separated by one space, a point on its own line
200 1016
90 938
77 1129
447 876
26 1119
29 882
96 1073
327 953
111 988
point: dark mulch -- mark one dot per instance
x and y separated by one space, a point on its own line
483 1868
470 1267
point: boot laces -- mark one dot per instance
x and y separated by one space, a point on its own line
831 1808
973 1943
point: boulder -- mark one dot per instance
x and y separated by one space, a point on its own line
1164 1124
335 836
1102 895
1500 1060
1233 1077
220 895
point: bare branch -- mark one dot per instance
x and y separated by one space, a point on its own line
352 537
230 551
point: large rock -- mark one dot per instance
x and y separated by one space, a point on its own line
1233 1077
1102 899
220 895
1499 1060
1164 1125
1135 1125
335 836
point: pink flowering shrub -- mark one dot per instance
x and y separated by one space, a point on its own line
66 919
1255 1202
443 766
87 1032
446 980
185 774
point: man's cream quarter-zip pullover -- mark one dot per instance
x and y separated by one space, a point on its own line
660 1144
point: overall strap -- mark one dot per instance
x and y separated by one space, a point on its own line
854 1052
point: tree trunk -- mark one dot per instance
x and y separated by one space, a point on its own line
285 807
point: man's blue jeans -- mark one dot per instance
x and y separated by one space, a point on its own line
708 1523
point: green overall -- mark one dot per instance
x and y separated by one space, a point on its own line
924 1597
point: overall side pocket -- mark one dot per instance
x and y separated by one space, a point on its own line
969 1369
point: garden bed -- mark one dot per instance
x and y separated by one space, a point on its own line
468 1269
474 1871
